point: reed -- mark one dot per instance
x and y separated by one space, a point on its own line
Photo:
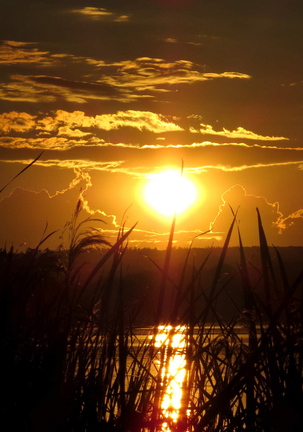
73 361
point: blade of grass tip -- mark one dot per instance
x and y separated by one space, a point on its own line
180 296
22 171
247 292
195 277
282 271
248 302
266 261
165 272
178 301
219 268
160 269
27 286
103 260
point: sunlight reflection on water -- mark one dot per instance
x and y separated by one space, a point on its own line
173 371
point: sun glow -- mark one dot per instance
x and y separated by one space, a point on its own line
169 192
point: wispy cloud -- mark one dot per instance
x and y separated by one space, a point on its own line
123 81
240 133
76 133
238 168
100 14
156 74
93 12
285 222
43 88
13 52
43 143
22 53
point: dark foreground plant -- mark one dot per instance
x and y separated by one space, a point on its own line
73 359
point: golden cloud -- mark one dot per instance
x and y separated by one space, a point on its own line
100 13
240 132
43 88
136 119
230 75
76 133
92 12
124 81
152 74
12 52
17 122
122 18
68 123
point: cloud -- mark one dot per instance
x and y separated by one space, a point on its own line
25 214
47 89
67 124
231 75
72 119
124 81
195 117
44 143
76 133
280 230
147 120
136 119
239 168
95 13
155 74
239 199
135 161
240 133
12 52
205 37
22 53
17 122
285 222
122 18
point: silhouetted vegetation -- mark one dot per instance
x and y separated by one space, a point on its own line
73 355
73 361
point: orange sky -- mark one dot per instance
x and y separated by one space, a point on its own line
116 91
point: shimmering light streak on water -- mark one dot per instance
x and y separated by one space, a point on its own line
173 370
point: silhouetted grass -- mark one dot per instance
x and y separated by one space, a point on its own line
72 358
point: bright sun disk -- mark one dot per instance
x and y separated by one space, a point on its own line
169 192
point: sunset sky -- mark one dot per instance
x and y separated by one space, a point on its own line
116 91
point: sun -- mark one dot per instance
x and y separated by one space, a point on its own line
169 192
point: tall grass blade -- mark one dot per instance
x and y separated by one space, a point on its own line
165 273
266 263
218 270
22 171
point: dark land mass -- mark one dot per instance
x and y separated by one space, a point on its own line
140 275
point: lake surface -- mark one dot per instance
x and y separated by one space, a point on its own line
171 366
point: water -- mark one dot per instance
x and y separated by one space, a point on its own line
169 374
172 367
